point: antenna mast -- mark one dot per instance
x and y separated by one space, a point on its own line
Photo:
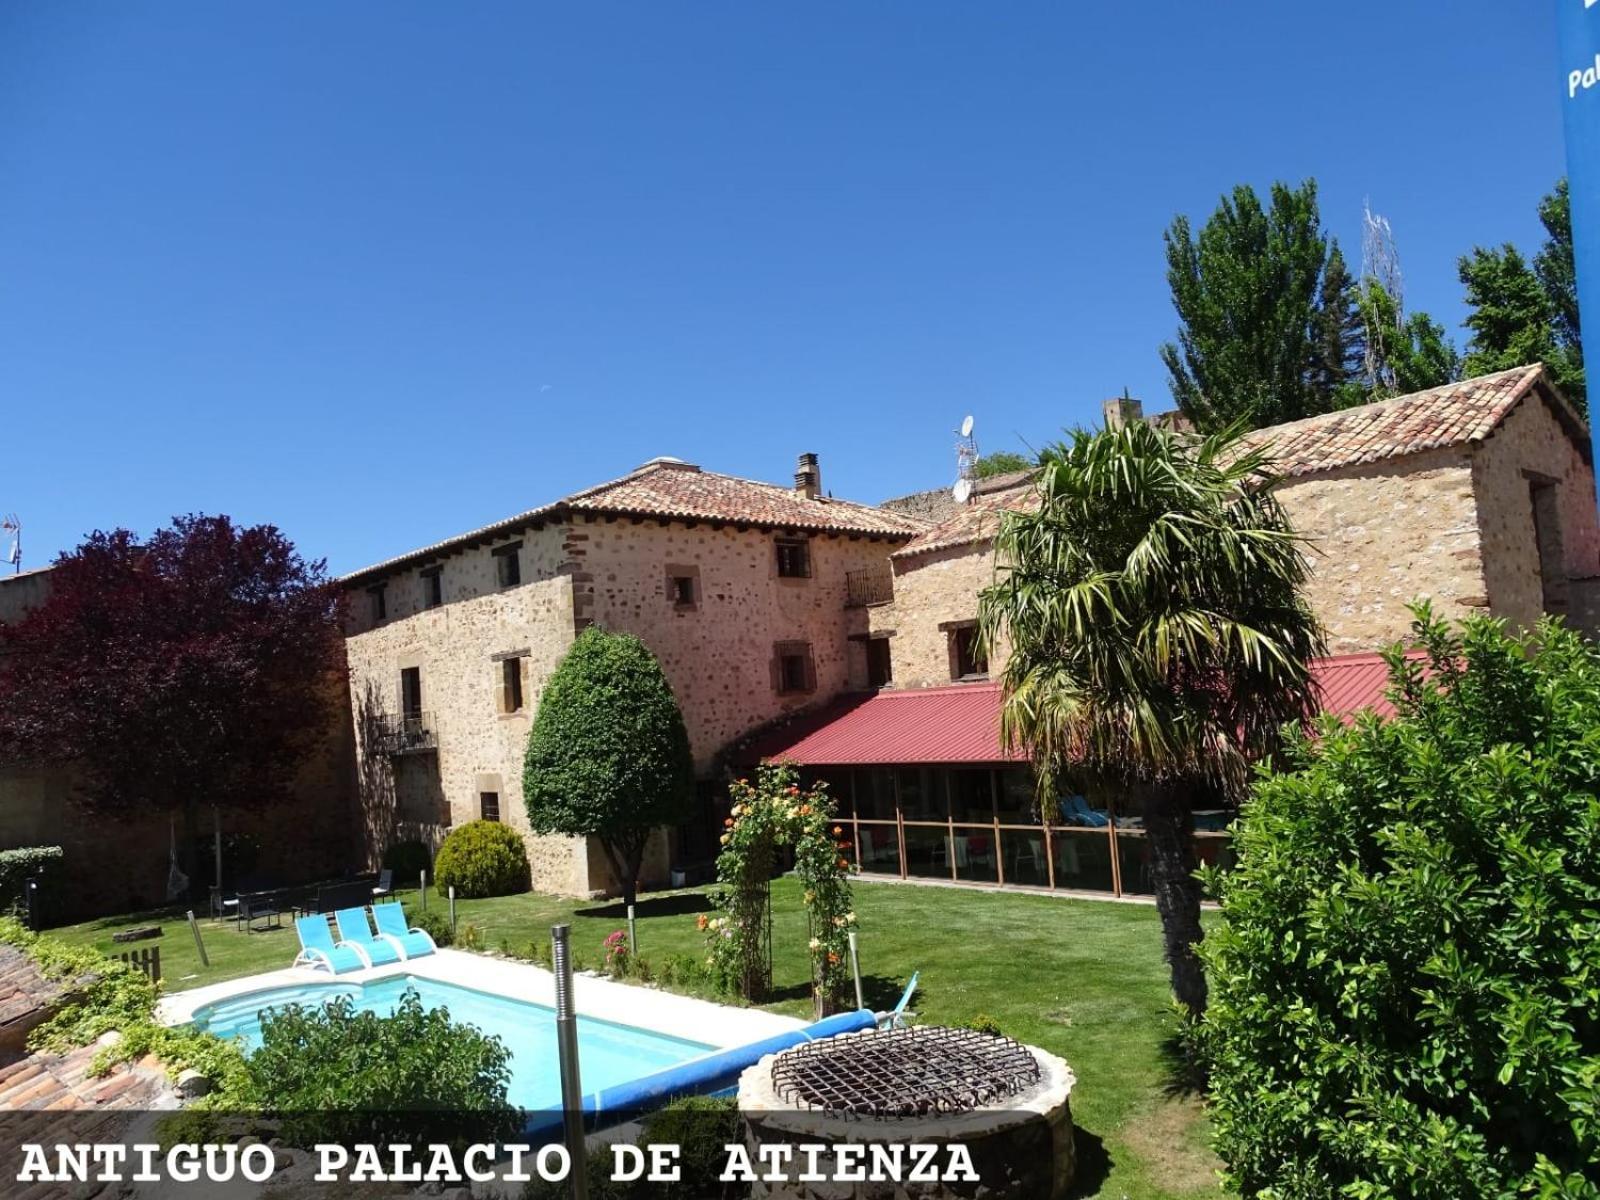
12 525
1380 264
966 462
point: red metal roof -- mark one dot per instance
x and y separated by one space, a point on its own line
961 723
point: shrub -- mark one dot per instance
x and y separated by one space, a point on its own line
984 1023
435 924
1407 970
469 936
608 754
336 1074
108 995
482 858
408 860
16 866
701 1127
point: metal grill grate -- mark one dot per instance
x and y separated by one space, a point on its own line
904 1072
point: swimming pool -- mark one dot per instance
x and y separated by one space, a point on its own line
610 1053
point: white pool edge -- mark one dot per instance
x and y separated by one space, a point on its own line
720 1026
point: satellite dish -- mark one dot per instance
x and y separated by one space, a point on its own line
962 492
966 427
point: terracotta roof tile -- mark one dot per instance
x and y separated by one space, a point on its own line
667 488
1455 414
976 521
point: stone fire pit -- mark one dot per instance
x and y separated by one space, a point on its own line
1005 1103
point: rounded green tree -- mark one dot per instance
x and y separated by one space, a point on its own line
608 755
1406 979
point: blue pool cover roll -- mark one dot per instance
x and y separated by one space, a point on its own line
703 1076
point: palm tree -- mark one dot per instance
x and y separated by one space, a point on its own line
1158 638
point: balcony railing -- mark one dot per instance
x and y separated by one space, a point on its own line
411 734
865 588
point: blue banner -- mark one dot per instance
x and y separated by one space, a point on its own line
1578 23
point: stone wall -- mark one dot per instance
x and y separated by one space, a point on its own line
718 654
1382 534
1529 462
931 590
454 647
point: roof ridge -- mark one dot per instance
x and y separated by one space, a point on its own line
1532 371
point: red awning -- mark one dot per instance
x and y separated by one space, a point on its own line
961 724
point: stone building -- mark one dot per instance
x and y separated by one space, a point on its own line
1480 495
741 589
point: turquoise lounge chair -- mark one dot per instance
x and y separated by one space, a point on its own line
319 951
353 928
391 922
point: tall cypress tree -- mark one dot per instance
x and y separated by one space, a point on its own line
1339 352
1247 289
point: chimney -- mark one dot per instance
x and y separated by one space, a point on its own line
1122 411
808 478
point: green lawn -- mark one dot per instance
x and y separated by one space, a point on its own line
1081 978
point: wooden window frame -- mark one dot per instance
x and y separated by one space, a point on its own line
508 565
485 803
378 600
790 650
786 546
432 587
676 576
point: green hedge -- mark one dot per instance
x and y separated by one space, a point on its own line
482 858
16 866
1406 977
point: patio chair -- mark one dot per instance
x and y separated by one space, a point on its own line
385 883
391 922
1075 810
319 951
353 928
895 1018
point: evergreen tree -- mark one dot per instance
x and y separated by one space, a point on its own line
1409 353
1247 291
1339 354
608 755
1528 312
1558 276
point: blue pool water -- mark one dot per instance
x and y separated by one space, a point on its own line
609 1054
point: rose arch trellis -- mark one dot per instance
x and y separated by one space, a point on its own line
768 813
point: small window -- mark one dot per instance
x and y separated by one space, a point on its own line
432 588
489 805
794 558
967 660
793 672
411 693
880 667
378 597
681 588
508 565
511 685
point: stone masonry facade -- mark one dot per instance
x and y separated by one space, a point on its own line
1503 524
703 591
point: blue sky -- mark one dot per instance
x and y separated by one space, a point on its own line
381 272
